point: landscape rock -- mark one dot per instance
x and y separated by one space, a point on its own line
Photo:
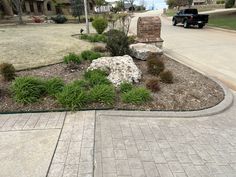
121 68
142 51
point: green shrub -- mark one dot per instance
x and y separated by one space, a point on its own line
222 2
27 89
229 3
166 77
218 2
131 39
60 19
117 43
90 55
72 57
96 77
100 24
7 71
125 87
54 86
94 38
100 49
154 65
103 94
73 96
153 85
137 96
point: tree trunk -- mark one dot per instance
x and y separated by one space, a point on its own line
7 8
19 8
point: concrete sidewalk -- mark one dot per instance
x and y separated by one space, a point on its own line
88 143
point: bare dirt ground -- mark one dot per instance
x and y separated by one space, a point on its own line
37 45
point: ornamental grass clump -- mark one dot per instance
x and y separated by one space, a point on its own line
103 94
166 77
72 57
125 87
153 85
53 86
90 55
138 95
27 89
155 65
73 96
96 77
7 71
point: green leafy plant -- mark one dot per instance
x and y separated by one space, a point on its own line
229 3
166 77
60 19
125 87
153 85
100 24
73 96
137 96
100 49
103 94
117 43
54 86
7 71
94 38
72 57
155 65
90 55
27 89
96 77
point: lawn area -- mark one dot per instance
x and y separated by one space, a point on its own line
225 21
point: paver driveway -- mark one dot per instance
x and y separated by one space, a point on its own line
92 143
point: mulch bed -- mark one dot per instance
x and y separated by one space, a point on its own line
190 90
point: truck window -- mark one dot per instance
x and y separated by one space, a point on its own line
191 11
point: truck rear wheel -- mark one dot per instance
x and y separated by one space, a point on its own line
186 25
174 22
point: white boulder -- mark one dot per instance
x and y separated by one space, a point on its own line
121 68
142 51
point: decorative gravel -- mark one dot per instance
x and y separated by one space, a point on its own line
190 90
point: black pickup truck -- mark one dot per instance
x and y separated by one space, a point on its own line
190 17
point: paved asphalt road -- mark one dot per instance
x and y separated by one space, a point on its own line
208 50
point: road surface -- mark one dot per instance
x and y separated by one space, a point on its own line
210 51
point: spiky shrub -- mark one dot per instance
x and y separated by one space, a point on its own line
153 85
125 87
155 65
7 71
100 24
96 77
167 77
90 55
99 49
103 94
54 86
72 57
73 96
138 95
27 89
117 43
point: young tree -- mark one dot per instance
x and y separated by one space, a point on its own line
17 4
77 7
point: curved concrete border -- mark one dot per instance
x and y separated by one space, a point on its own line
220 107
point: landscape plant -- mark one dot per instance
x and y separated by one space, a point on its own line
229 3
153 85
155 65
100 49
59 19
96 77
138 95
94 37
72 57
100 24
7 71
27 89
90 55
166 77
125 87
53 86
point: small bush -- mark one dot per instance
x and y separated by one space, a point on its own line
60 19
131 39
73 96
166 77
7 71
100 24
117 43
155 66
27 89
103 94
137 96
100 49
54 86
90 55
72 57
125 87
229 3
94 38
96 77
153 85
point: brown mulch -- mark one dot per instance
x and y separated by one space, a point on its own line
190 90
